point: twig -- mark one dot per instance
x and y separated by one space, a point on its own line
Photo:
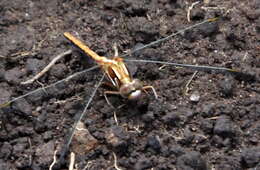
89 163
206 1
115 162
74 98
162 67
1 56
136 128
54 160
213 8
72 161
245 56
187 85
47 68
115 117
190 8
213 118
30 147
115 50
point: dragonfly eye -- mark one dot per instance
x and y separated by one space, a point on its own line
125 90
131 90
137 84
134 95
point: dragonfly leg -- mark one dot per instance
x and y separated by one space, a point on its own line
152 88
115 50
108 84
111 93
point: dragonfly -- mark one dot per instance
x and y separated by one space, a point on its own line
119 76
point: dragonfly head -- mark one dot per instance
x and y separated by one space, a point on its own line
132 90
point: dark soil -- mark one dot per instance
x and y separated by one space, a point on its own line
214 125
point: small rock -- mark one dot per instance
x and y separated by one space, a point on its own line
5 96
207 126
37 96
6 150
251 157
115 4
44 153
208 110
40 125
59 70
191 160
143 29
148 117
3 163
25 130
188 137
171 118
227 86
224 127
12 76
195 97
118 139
23 161
229 163
47 136
20 144
83 141
217 141
23 106
154 143
197 13
143 163
208 29
177 150
2 75
34 66
203 148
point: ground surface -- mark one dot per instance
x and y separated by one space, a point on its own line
220 130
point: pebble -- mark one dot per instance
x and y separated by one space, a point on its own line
208 29
191 160
148 117
12 76
59 70
23 161
2 71
177 150
251 156
207 126
34 66
44 153
229 163
143 163
208 110
143 29
22 106
195 97
6 150
224 127
226 86
4 164
118 138
83 141
154 143
188 137
171 118
5 96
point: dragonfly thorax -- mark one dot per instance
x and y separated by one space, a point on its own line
131 90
